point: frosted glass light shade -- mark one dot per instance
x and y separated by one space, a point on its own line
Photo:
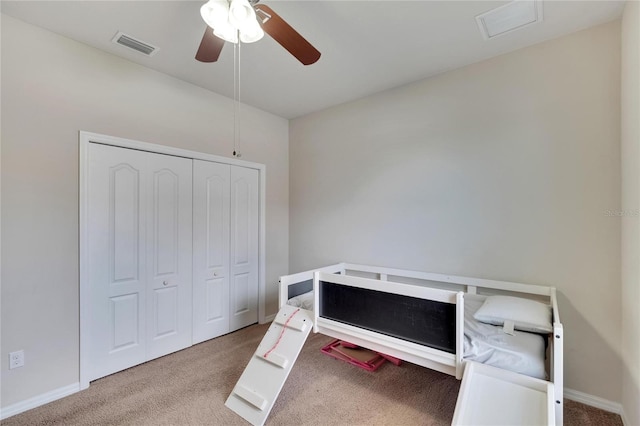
226 32
251 33
227 19
215 13
241 14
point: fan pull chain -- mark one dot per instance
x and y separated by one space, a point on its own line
236 99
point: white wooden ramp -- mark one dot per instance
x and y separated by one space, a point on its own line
261 382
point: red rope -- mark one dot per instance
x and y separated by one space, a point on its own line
281 333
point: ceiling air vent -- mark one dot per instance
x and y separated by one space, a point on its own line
509 17
132 43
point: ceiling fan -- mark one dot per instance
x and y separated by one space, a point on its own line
247 21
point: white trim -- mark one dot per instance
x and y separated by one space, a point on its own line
37 401
164 149
88 137
269 318
262 246
83 237
594 401
625 421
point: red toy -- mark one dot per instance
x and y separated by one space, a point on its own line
355 355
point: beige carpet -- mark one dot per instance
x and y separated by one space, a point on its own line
191 386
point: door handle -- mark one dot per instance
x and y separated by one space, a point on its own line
165 283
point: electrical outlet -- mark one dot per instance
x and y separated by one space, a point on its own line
16 359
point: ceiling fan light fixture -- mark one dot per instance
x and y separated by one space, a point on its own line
226 32
215 13
228 18
241 15
251 33
245 21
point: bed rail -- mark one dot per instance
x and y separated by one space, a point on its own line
557 359
295 284
471 284
467 284
339 297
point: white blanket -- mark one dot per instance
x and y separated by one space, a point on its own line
304 301
522 353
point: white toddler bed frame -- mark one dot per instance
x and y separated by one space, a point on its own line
429 287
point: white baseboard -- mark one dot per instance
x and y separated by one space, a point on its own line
269 319
39 400
45 398
625 422
594 401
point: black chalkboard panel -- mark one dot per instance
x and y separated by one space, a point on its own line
425 322
299 288
302 287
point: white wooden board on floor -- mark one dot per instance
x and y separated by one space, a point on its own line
262 380
491 396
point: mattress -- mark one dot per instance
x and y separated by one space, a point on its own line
488 344
521 352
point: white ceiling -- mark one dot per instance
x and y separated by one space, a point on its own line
367 46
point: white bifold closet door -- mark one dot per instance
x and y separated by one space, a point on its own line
225 261
140 260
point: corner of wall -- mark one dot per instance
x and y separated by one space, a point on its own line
630 230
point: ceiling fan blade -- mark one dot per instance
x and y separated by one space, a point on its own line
210 47
288 38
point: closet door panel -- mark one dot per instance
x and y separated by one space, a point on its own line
116 259
244 247
211 250
124 205
169 230
125 318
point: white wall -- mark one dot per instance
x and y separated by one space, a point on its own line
504 169
52 87
631 206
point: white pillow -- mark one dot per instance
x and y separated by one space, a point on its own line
526 314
